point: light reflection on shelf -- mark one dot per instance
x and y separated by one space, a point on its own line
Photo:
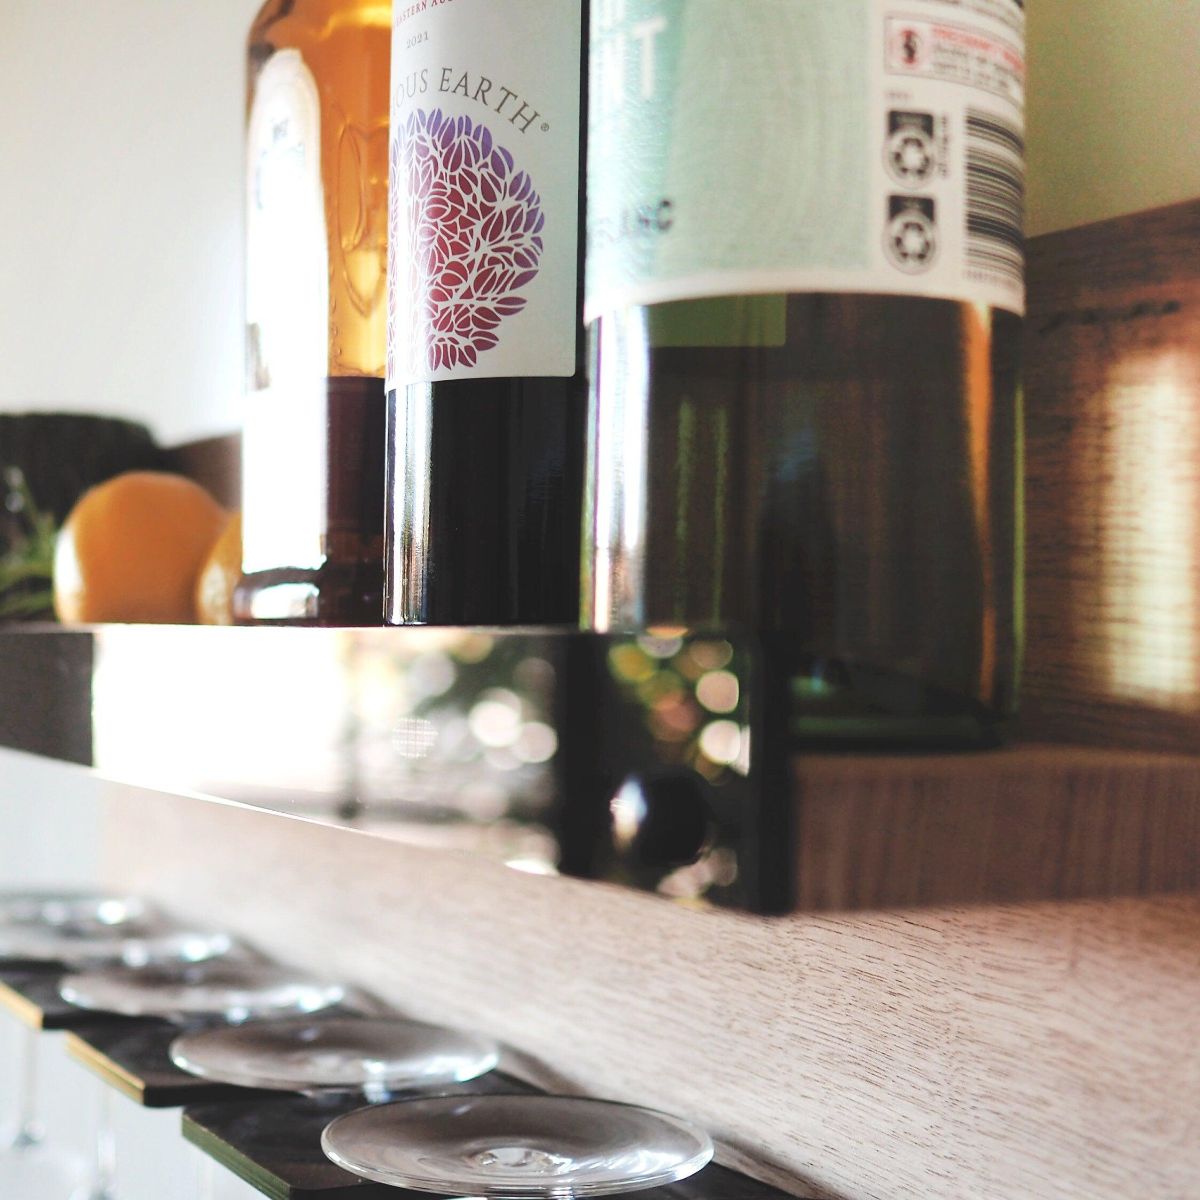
1151 516
438 738
681 684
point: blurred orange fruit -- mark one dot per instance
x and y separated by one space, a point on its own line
132 548
219 576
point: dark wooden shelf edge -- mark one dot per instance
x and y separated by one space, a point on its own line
1028 823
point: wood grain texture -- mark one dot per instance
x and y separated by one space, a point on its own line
1026 823
1113 483
1043 1052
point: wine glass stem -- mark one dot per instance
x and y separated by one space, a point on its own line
29 1129
208 1179
104 1179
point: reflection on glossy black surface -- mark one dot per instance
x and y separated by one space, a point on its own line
443 738
511 745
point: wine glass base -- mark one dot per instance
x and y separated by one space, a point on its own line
372 1056
524 1147
94 1192
236 990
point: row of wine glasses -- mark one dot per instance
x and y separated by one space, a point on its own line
80 929
502 1145
496 1145
251 1023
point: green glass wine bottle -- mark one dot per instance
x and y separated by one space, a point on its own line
805 287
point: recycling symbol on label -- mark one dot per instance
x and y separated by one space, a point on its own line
912 239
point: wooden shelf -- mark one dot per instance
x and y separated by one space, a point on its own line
1033 822
1112 482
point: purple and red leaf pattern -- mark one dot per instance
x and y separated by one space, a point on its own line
466 234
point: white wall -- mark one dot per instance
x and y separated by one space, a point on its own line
1114 108
50 823
120 209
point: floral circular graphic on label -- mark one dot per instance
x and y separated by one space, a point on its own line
466 230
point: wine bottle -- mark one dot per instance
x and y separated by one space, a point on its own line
805 287
487 398
316 268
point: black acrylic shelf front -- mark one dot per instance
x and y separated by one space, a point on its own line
661 763
511 744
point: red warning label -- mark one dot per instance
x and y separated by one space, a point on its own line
953 54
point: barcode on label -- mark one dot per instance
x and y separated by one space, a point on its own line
995 196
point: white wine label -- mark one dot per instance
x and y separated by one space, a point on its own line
484 189
871 146
287 320
287 252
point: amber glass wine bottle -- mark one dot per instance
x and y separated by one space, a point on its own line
805 281
487 399
316 270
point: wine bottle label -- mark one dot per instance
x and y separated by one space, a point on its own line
871 146
484 196
287 251
287 320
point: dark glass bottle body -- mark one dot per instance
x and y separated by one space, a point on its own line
849 494
313 441
485 474
805 265
485 479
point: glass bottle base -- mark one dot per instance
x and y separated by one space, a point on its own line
330 595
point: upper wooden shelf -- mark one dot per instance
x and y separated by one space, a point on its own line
1112 404
1031 822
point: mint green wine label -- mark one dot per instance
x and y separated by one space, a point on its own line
779 146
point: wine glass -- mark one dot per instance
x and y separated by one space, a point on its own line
516 1147
57 906
81 938
335 1061
29 1165
58 926
375 1057
228 990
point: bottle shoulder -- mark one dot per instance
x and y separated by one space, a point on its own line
282 23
